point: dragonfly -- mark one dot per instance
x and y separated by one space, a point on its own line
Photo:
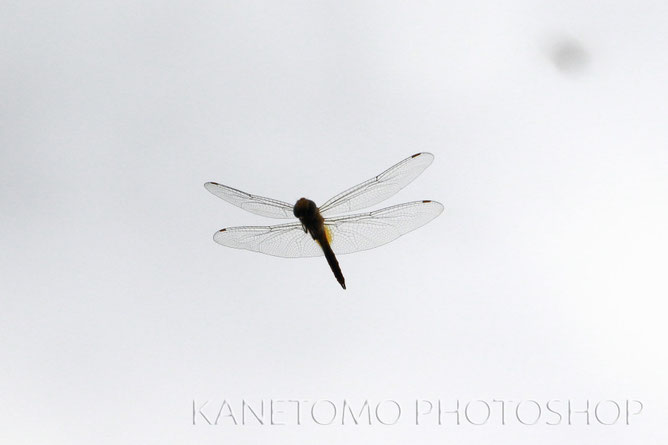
319 230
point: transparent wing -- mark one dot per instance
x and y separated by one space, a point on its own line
284 240
252 203
379 188
369 230
348 234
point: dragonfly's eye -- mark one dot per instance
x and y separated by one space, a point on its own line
300 207
304 207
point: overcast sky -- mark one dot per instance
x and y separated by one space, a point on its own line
545 277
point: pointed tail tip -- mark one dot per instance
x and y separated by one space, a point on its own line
343 284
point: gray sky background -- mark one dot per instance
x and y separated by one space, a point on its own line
545 277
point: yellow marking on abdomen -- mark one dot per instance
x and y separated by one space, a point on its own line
328 235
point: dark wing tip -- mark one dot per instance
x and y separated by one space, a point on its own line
422 153
434 204
215 235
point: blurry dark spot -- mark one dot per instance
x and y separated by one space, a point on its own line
569 56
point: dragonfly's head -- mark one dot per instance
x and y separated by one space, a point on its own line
304 207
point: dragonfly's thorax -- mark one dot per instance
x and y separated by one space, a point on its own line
309 216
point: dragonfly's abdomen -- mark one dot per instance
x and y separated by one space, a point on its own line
331 258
